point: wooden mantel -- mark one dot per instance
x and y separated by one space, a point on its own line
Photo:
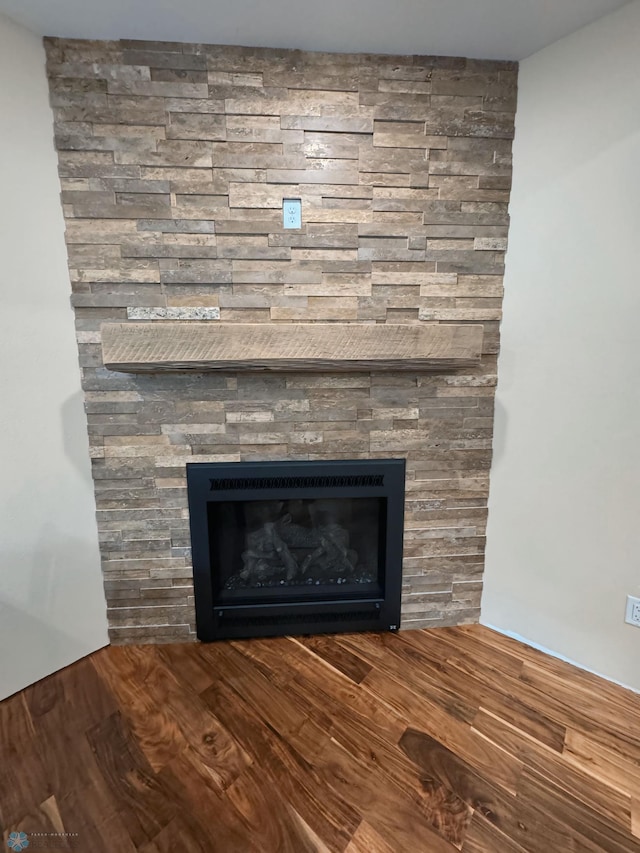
166 346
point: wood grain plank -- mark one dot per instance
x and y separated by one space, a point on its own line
131 780
125 670
635 816
306 841
595 793
205 814
215 748
187 664
293 662
461 644
484 837
260 809
602 762
268 817
494 690
611 694
544 707
181 834
83 798
392 815
605 721
367 840
357 731
256 689
522 818
393 657
330 817
485 757
440 765
585 823
338 657
140 347
19 790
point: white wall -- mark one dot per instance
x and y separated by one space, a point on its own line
564 518
52 607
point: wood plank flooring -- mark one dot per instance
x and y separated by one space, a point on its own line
435 741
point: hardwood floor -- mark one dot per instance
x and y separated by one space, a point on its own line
434 741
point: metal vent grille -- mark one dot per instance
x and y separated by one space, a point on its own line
361 481
300 618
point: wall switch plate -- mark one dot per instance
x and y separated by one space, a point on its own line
633 611
292 213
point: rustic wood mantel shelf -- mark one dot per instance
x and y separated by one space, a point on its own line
166 346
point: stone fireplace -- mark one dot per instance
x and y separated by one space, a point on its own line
174 161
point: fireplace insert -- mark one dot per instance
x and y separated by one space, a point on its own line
296 547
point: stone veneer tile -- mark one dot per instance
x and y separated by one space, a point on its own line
174 161
191 313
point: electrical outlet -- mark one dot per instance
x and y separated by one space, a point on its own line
633 611
292 213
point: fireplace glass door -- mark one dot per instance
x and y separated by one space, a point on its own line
297 548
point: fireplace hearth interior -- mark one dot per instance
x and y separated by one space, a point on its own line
296 547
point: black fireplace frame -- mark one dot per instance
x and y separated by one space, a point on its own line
262 481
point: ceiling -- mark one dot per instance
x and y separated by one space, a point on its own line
488 29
